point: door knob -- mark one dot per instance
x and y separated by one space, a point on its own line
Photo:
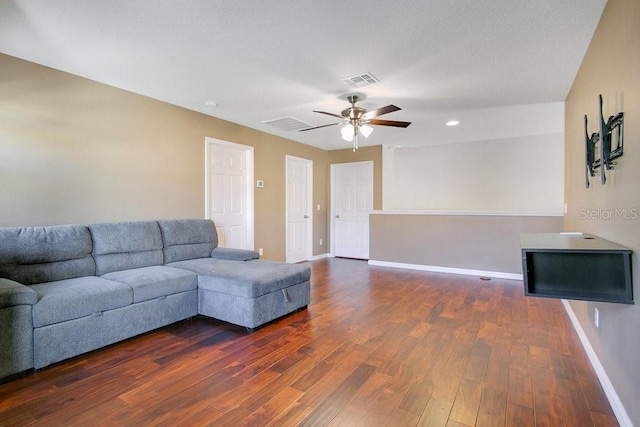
306 216
337 216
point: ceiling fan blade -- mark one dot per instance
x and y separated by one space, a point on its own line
380 111
329 114
393 123
323 126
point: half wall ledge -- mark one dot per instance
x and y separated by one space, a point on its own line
482 243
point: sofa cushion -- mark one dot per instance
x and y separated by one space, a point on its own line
248 279
31 255
79 297
187 239
156 281
234 254
13 293
126 245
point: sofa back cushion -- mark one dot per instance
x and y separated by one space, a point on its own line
188 239
121 246
31 255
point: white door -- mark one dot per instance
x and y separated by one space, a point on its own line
299 199
351 202
229 192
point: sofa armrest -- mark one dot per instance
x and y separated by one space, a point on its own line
234 254
14 293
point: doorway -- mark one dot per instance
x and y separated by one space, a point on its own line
351 203
299 202
229 192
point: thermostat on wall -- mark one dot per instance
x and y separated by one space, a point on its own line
259 183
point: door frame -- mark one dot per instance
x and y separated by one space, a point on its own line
249 203
309 166
332 213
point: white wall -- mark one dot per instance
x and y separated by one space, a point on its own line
521 174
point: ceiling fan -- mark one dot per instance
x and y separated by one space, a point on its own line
356 120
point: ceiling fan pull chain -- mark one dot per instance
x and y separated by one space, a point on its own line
355 138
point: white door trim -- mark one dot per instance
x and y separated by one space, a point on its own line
249 182
309 227
332 213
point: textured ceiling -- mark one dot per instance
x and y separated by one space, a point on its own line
494 65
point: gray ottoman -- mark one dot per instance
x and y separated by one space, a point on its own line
250 294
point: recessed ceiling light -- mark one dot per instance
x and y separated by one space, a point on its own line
452 123
211 103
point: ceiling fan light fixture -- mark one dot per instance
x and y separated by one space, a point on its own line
366 130
356 120
347 132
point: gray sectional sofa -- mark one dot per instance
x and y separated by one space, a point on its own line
69 289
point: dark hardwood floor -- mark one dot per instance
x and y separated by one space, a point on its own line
376 347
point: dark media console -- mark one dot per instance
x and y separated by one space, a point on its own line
576 266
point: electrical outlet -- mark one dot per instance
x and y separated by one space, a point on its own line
261 251
320 242
596 317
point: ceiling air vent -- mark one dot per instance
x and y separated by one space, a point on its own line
360 80
287 123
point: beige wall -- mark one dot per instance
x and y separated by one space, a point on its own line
76 151
611 67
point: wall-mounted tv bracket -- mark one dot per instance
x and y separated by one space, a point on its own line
611 144
590 142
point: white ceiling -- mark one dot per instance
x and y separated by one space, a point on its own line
501 67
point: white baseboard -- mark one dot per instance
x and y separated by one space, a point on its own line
450 270
614 399
321 256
